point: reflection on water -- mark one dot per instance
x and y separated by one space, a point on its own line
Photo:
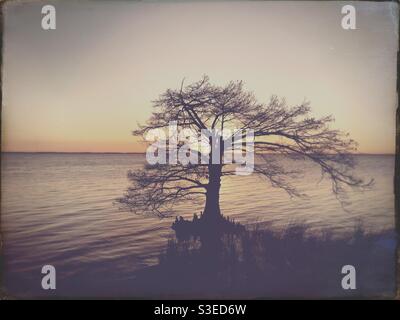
58 209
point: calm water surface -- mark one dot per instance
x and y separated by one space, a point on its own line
58 209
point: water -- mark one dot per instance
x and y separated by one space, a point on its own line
58 209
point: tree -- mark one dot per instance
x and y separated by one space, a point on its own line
278 129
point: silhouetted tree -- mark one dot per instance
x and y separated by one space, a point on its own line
278 129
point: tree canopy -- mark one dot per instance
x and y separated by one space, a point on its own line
277 128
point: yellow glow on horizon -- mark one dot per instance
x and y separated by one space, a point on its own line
84 86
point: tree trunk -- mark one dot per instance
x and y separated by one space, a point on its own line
212 210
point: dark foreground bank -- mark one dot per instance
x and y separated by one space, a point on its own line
266 264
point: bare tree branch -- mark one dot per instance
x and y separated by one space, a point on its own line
278 129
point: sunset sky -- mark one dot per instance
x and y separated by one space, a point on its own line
84 86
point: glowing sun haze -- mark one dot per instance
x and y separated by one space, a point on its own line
84 86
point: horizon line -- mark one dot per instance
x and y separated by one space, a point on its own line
115 152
